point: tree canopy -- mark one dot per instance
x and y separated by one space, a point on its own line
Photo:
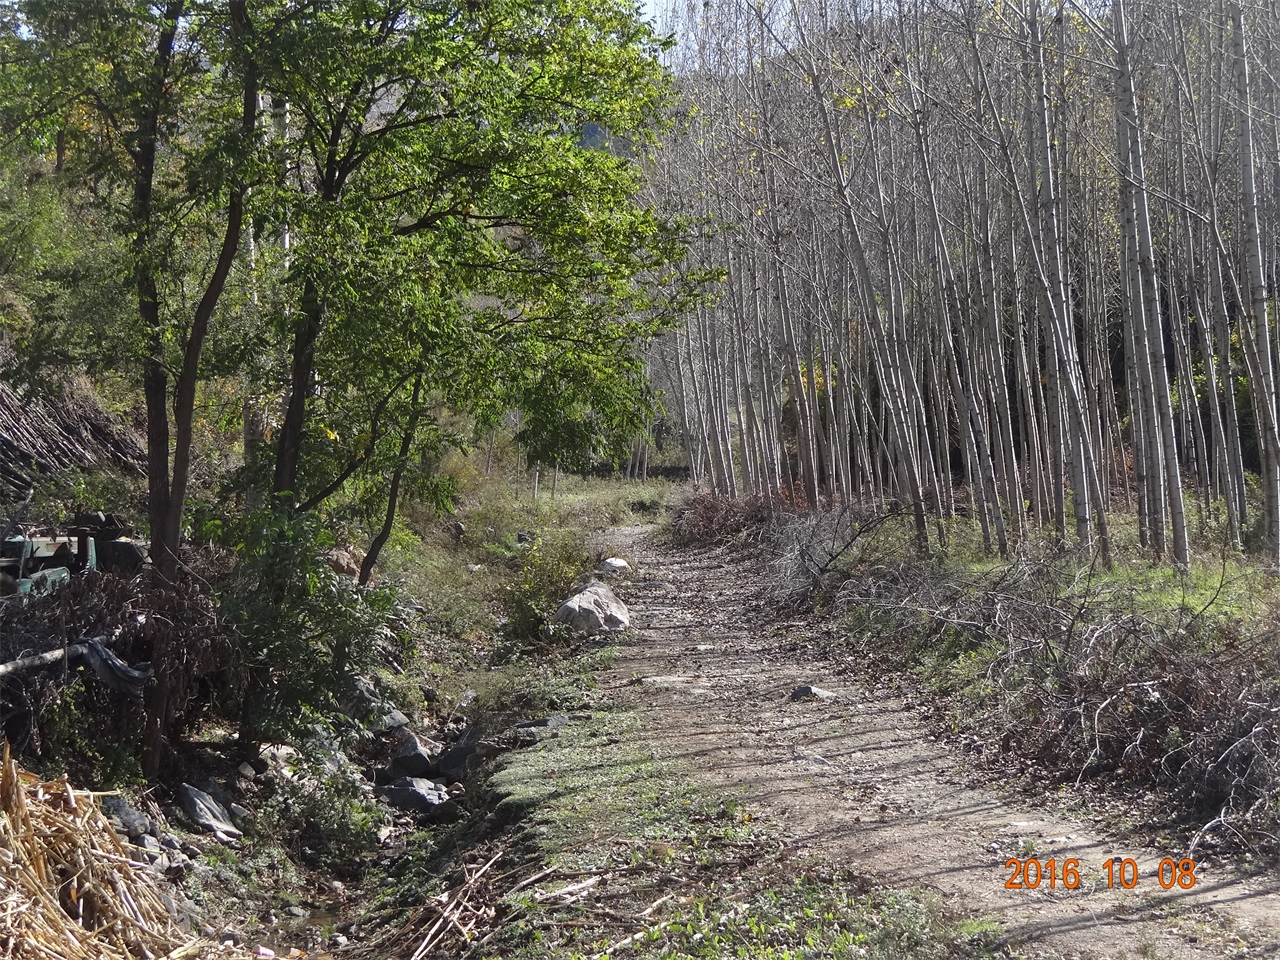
373 216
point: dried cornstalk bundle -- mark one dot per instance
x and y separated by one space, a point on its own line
68 888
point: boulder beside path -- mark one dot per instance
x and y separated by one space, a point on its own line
593 609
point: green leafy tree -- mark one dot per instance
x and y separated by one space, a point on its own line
151 110
465 235
401 218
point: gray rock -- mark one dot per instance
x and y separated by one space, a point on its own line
132 823
148 843
613 566
424 797
299 912
529 732
170 842
414 759
446 812
526 736
388 718
246 770
594 609
416 794
808 692
367 705
207 812
456 762
241 814
178 866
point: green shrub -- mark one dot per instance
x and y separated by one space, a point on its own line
71 744
550 564
304 629
324 814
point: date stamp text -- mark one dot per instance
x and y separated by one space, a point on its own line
1032 873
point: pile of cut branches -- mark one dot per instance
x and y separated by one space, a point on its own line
1041 662
52 430
614 901
69 889
706 518
138 620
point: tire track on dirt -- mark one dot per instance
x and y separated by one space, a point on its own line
860 780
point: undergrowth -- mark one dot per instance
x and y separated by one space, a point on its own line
1086 679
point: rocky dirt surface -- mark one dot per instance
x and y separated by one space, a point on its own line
862 780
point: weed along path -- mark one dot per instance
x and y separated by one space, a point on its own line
859 781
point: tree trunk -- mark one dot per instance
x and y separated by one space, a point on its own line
393 489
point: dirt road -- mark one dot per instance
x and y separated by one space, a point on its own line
859 779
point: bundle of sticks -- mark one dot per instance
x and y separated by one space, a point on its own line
69 889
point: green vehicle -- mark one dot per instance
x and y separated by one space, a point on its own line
37 566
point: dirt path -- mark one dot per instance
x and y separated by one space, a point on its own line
860 780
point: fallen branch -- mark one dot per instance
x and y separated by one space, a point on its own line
452 904
571 893
41 659
109 668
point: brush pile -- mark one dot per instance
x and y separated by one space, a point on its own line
69 889
705 518
1071 674
57 427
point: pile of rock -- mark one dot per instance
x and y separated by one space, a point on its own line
164 852
427 778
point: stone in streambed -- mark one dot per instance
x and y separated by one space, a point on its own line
424 797
414 759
